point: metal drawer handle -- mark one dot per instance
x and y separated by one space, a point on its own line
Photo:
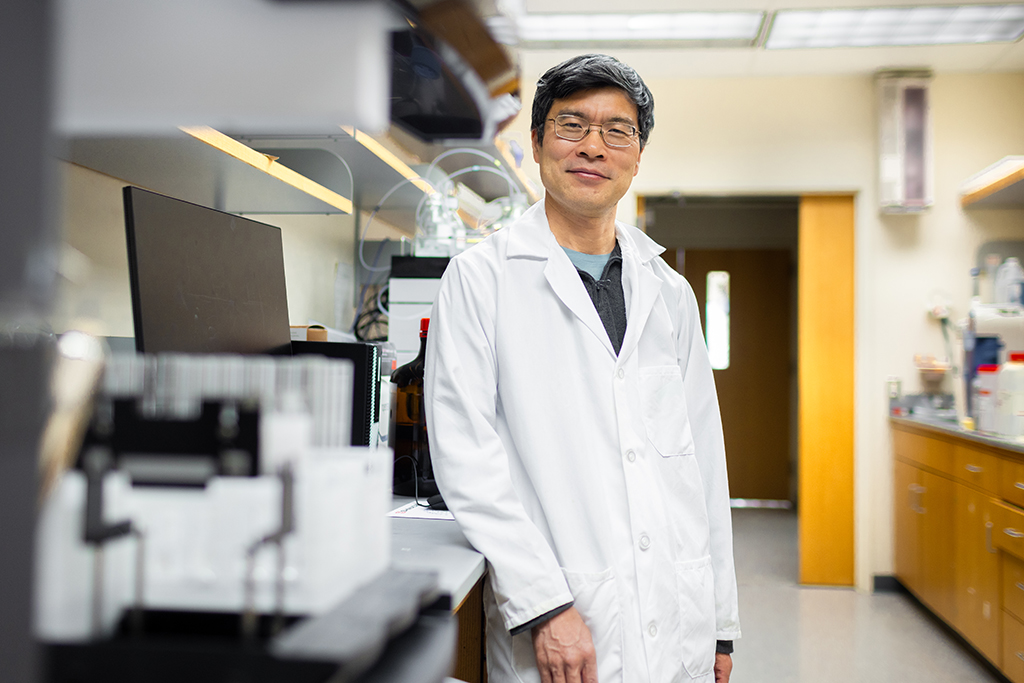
988 541
973 469
1020 585
1020 485
1020 656
1013 533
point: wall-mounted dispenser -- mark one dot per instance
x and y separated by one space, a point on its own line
905 173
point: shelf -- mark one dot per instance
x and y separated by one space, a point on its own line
187 168
999 185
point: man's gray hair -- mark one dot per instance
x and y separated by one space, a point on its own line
587 72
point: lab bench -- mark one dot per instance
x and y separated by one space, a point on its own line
439 546
959 530
422 651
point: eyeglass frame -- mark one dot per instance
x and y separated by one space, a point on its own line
600 129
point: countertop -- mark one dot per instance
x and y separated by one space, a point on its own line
436 545
953 429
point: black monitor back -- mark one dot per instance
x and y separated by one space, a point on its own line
203 281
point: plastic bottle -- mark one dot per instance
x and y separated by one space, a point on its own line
987 279
1010 401
1009 281
414 475
985 388
388 364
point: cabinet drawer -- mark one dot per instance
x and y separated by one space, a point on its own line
977 468
1011 481
1013 586
932 453
1009 530
1013 648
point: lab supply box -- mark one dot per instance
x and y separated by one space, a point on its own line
215 492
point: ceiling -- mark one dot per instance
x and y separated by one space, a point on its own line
664 63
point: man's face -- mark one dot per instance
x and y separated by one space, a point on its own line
587 177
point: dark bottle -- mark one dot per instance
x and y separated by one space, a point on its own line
407 434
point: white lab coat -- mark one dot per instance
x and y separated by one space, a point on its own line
581 475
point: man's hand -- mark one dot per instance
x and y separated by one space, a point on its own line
565 650
723 667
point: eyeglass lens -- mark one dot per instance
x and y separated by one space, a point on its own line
615 133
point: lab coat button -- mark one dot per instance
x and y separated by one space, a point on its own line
630 456
653 630
622 373
645 542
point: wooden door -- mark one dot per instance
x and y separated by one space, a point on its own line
754 390
977 571
826 373
908 526
938 588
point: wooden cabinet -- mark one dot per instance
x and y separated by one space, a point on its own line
908 526
937 574
1012 663
959 536
924 547
977 575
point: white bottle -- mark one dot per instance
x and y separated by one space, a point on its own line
985 398
1010 401
1009 279
987 279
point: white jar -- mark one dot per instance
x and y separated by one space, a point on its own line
985 397
1010 397
1009 278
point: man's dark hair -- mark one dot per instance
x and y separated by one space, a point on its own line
587 72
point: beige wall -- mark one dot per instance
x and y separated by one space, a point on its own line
736 135
812 134
94 287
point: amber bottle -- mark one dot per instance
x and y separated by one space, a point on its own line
407 436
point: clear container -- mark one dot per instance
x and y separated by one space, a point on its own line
987 279
1009 282
985 387
1010 398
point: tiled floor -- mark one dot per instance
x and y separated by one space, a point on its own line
820 635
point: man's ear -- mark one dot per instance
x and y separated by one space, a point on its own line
636 166
535 140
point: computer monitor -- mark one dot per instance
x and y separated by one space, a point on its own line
203 281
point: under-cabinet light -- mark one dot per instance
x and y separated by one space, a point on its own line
264 163
896 26
385 155
696 28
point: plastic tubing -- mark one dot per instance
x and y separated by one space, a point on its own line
351 179
362 292
462 171
475 152
362 238
380 303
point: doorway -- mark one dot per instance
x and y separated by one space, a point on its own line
750 244
817 231
753 369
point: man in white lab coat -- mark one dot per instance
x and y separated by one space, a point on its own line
574 426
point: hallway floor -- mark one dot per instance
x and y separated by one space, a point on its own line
824 635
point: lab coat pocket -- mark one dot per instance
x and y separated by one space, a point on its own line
663 403
595 597
696 584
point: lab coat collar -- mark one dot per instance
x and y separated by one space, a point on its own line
531 237
640 285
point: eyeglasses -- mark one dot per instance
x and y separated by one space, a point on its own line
574 128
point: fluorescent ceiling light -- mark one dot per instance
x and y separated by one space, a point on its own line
895 26
268 165
385 155
700 28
